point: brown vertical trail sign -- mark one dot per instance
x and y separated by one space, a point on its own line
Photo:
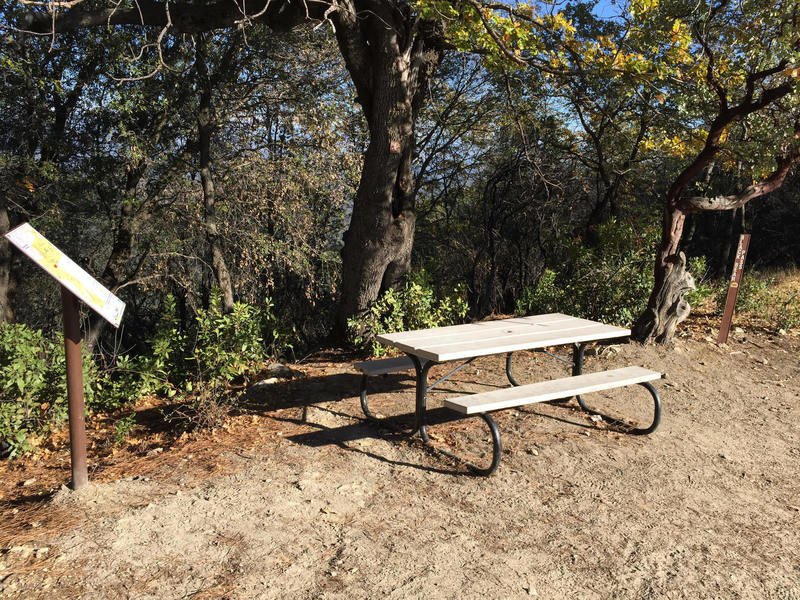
733 287
76 284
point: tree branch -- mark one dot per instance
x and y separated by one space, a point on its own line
279 15
769 184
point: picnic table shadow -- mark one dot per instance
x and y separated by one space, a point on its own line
393 428
325 392
343 388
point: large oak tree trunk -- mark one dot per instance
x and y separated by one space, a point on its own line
377 245
390 67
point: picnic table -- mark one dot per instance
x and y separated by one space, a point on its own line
425 348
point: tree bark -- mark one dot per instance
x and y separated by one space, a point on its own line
390 57
204 129
7 281
667 306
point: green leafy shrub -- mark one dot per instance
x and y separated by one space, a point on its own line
764 298
704 287
751 297
416 306
610 282
783 310
166 366
33 384
199 362
218 347
228 344
123 428
279 335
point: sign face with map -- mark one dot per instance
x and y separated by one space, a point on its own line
67 272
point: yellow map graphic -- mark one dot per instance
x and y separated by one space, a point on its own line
52 256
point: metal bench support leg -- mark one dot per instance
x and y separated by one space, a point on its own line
511 379
364 405
497 448
577 365
577 358
383 422
638 431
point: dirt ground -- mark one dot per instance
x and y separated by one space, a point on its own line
301 498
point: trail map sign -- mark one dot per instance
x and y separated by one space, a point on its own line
75 284
67 272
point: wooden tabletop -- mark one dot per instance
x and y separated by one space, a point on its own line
457 342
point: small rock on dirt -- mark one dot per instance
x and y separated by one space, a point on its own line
263 383
22 552
280 370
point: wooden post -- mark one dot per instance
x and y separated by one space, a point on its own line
733 287
77 421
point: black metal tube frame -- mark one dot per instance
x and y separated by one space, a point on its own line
364 378
637 430
422 367
576 362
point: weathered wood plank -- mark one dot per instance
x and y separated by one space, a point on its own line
550 390
469 328
505 328
513 343
505 335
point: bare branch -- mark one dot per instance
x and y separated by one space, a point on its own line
769 184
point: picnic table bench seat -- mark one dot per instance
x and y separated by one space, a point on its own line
384 366
554 389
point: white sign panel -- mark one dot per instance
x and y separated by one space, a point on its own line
67 272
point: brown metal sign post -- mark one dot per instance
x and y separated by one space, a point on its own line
733 287
76 284
77 421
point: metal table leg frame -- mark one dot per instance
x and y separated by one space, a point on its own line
497 449
365 407
637 431
513 380
421 406
577 358
422 395
577 365
383 422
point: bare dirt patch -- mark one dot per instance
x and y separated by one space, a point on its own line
301 498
